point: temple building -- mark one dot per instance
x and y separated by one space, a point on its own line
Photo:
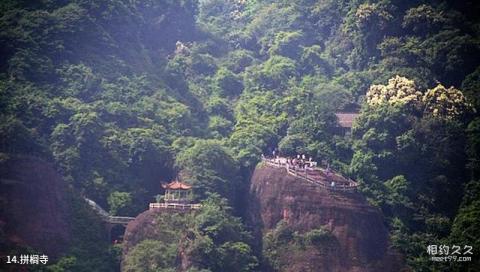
345 122
178 196
177 192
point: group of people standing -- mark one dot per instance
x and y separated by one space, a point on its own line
308 167
301 162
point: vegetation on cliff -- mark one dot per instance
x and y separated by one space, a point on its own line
210 240
123 94
282 244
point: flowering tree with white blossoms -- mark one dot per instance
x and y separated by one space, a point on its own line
399 90
443 102
439 101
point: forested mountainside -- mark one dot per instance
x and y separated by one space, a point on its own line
121 95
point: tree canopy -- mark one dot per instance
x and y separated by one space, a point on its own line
123 95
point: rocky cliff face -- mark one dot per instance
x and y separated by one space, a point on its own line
34 211
163 225
360 239
308 228
146 226
40 214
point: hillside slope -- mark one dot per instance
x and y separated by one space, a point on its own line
157 225
40 214
34 210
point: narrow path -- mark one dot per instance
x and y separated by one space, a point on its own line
106 217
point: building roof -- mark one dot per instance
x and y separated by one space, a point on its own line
346 119
176 185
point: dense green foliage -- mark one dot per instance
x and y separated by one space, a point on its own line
90 248
213 240
410 159
282 244
209 167
124 94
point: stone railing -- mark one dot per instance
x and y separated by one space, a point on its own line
120 219
303 174
180 206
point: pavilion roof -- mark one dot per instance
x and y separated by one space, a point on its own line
176 185
346 119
